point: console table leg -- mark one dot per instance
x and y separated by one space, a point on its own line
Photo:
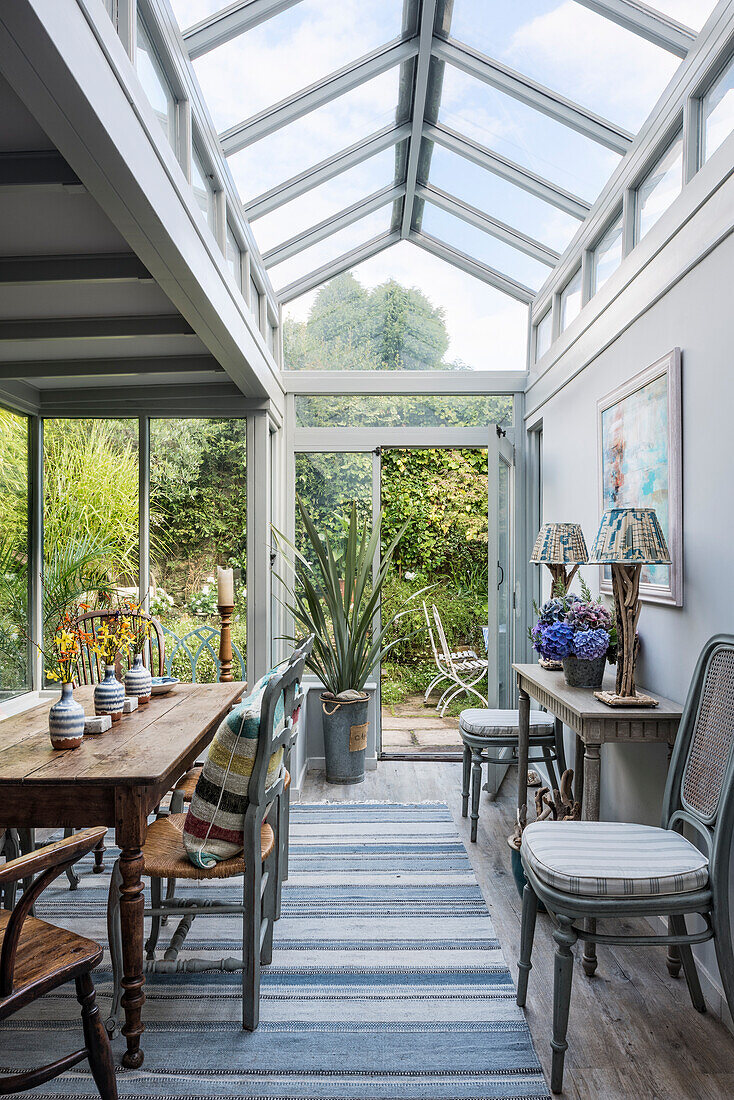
590 812
523 746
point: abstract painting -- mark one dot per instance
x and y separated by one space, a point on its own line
640 465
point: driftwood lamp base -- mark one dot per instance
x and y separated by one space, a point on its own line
613 700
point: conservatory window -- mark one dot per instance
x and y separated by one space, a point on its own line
203 189
155 83
659 188
718 112
402 411
543 334
607 254
255 301
571 300
233 255
14 621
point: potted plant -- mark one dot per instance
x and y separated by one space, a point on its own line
335 597
579 632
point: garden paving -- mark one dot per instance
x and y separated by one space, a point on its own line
413 726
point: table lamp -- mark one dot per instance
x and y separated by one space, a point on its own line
627 539
557 546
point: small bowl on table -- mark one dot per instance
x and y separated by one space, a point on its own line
161 685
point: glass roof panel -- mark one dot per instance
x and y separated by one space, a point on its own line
289 52
324 201
525 136
572 50
691 13
455 321
281 275
503 200
483 247
189 12
316 136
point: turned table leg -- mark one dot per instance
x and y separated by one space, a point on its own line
131 917
590 812
523 745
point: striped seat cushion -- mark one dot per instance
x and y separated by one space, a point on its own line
612 859
502 723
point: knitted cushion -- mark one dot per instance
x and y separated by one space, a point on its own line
214 828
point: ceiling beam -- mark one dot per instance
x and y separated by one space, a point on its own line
420 97
508 170
647 23
232 21
533 95
333 224
325 170
468 264
76 368
316 95
93 328
36 169
106 267
337 266
483 221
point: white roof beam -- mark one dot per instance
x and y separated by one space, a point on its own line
483 221
473 267
338 266
508 170
333 224
316 95
533 95
423 65
647 23
230 22
325 170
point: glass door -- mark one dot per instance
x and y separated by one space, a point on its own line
500 557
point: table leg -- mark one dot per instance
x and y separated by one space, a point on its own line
131 917
590 812
578 771
523 742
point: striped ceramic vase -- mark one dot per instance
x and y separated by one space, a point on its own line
66 720
109 695
138 680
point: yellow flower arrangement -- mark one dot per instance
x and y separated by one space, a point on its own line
65 649
113 636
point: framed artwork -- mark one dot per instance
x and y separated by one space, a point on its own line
640 445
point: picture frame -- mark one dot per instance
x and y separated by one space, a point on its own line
640 462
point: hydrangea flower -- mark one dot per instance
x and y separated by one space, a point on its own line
589 616
551 612
588 645
557 641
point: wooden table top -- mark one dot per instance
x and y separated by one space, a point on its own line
583 703
143 747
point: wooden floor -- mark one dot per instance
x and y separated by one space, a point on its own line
633 1033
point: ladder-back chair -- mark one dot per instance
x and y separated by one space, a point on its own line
89 667
586 869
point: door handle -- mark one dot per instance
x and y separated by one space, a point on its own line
501 581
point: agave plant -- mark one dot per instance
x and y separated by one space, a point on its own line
335 596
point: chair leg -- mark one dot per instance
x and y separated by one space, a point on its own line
673 960
286 837
465 775
11 848
155 926
71 874
269 905
560 747
678 927
251 921
98 858
548 761
96 1041
476 787
527 935
114 939
565 938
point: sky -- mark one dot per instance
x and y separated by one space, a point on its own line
558 43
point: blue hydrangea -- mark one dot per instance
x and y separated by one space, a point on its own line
587 645
557 641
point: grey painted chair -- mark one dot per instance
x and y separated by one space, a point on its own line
165 857
485 733
630 870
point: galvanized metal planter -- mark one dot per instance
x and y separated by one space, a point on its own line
345 737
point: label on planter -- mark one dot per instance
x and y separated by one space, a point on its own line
358 737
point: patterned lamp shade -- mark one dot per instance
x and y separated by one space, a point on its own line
560 544
632 536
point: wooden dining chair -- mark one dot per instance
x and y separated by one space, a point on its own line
89 668
165 857
36 957
584 870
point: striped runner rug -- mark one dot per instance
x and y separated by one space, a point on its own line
387 980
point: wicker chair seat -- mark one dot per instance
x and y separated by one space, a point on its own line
165 856
187 785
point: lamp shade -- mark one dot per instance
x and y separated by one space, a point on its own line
632 536
560 544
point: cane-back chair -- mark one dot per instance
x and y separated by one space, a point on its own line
586 869
89 667
165 857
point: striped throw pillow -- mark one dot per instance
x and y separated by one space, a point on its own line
214 825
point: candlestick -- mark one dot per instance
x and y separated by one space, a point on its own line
225 644
225 587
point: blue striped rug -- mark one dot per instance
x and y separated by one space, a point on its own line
387 980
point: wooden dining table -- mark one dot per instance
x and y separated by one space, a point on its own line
115 779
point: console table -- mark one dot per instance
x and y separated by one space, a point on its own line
594 724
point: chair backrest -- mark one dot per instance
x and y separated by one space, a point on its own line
431 637
700 787
89 666
446 655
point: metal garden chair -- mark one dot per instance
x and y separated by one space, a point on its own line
442 672
586 870
463 670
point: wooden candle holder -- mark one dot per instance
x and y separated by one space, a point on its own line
225 645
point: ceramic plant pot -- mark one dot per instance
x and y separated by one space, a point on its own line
138 681
584 674
66 720
109 695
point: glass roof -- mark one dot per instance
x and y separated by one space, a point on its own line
318 102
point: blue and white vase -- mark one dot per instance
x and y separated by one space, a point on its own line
138 681
66 720
109 695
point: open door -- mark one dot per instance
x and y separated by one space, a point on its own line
501 456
